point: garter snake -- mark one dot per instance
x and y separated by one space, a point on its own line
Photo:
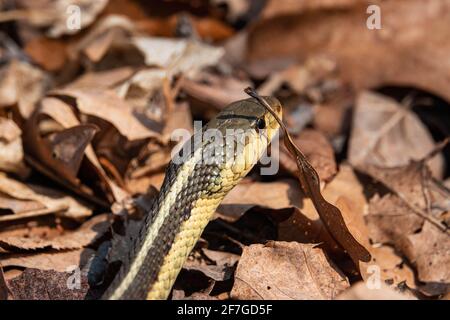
208 166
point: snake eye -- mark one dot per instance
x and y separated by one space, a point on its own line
260 123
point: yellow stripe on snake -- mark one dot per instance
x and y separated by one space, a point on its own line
209 165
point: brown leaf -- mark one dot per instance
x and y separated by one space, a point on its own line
53 14
301 78
359 291
108 106
52 201
50 54
275 8
4 289
209 90
177 55
107 79
429 250
386 134
86 234
11 157
22 84
59 261
286 270
413 184
394 271
35 284
101 39
220 270
180 118
317 150
389 219
63 151
65 116
246 195
361 55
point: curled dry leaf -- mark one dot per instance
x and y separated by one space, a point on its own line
286 270
59 261
108 106
11 157
65 117
99 40
36 197
63 151
86 234
386 134
22 84
317 150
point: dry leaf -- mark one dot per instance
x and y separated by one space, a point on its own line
4 289
59 261
389 219
54 14
413 36
359 291
50 54
429 250
65 116
35 284
209 90
22 84
102 79
386 134
286 270
317 150
53 201
413 184
86 234
11 157
177 56
273 195
220 270
393 270
108 106
99 40
276 8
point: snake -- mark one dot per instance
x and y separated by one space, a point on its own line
211 163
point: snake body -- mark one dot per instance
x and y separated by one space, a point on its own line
214 160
